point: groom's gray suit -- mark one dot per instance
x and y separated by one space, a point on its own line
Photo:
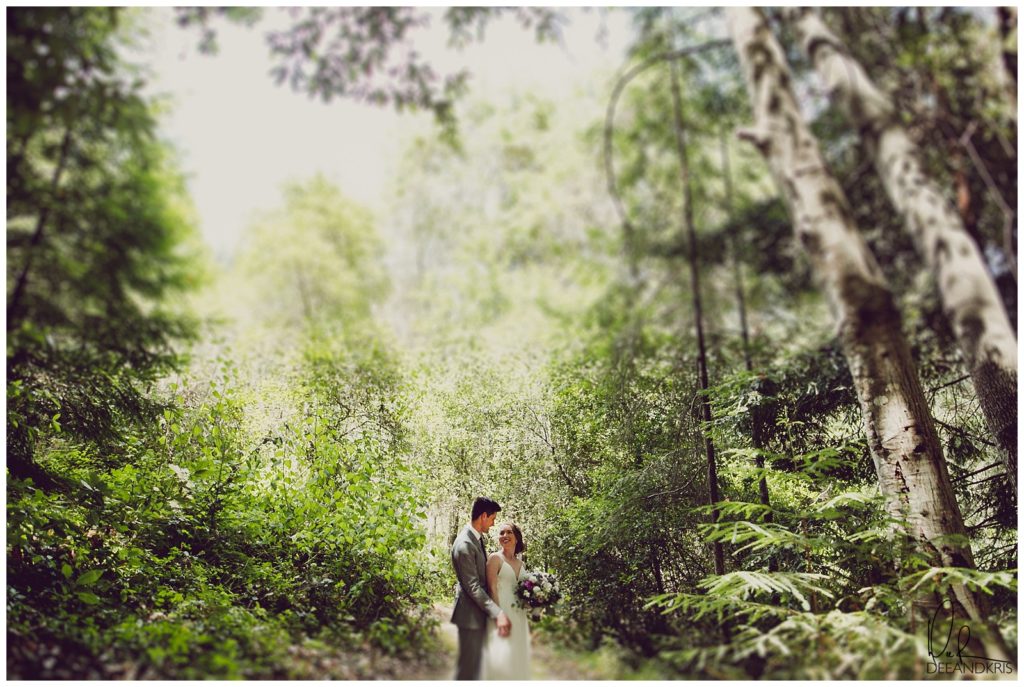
473 605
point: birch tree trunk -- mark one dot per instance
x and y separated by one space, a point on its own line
904 446
969 296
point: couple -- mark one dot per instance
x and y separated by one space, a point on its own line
494 637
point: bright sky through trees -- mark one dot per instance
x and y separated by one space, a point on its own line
241 136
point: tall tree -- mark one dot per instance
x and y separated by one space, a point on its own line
970 299
698 311
315 264
757 413
95 231
904 447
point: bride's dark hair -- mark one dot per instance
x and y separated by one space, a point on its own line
520 544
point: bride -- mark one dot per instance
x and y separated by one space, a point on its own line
507 658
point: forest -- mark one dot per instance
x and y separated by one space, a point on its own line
730 333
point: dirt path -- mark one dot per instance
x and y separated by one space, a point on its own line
546 663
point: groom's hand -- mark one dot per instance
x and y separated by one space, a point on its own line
504 625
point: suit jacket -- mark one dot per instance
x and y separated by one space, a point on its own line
472 603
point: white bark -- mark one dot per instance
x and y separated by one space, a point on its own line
904 446
969 296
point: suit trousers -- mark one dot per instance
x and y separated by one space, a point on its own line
471 649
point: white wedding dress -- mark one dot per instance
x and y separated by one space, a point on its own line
508 658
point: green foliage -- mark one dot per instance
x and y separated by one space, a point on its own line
942 579
810 616
97 239
816 567
182 543
624 528
815 646
209 552
794 587
505 239
315 263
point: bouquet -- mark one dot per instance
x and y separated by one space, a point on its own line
536 592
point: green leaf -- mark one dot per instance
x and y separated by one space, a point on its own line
87 578
66 570
88 597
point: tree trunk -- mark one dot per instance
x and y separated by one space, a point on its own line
902 439
969 296
757 415
15 305
698 314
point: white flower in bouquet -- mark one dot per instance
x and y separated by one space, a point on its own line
537 591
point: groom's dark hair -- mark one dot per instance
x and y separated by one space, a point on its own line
483 505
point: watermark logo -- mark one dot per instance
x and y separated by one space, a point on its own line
951 656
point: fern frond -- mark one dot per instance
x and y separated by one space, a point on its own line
842 505
738 509
756 536
751 454
745 584
698 606
825 646
873 534
941 579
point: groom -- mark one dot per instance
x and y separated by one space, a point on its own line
473 606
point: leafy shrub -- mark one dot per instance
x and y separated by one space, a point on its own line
207 552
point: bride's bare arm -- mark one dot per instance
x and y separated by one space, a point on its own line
493 566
